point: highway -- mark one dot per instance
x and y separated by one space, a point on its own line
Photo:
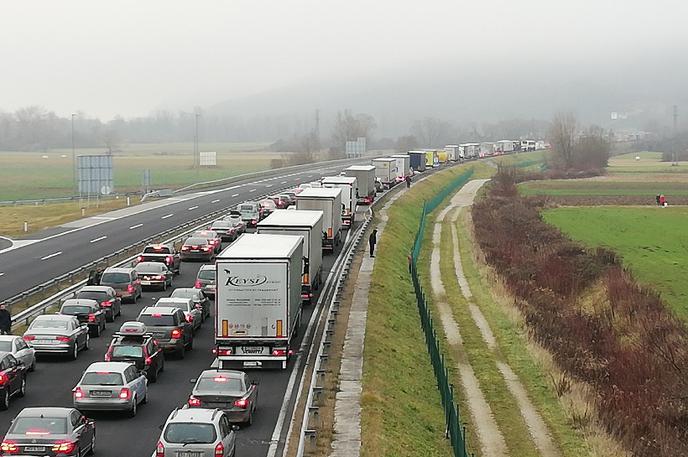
117 435
65 248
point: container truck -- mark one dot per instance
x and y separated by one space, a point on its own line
365 179
307 224
258 301
442 156
403 166
504 147
470 150
417 160
349 187
329 201
431 159
386 171
452 151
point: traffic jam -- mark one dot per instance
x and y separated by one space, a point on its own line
261 264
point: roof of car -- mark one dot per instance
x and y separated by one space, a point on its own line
118 270
49 411
80 301
167 310
172 300
157 265
54 317
113 367
96 289
158 245
187 289
227 373
207 267
193 415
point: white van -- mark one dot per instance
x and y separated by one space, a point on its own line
250 213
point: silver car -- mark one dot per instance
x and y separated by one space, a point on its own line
111 386
193 315
205 280
197 432
228 390
21 351
57 334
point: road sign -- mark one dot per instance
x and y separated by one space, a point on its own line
94 175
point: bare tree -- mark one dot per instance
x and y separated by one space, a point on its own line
348 127
112 139
562 137
406 143
431 131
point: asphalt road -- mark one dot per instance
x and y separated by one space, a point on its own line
63 249
117 435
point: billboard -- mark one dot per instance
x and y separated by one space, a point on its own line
94 175
208 159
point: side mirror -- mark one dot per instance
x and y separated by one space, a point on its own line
160 427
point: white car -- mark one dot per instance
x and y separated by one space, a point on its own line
111 386
21 351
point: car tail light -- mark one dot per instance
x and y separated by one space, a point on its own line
206 248
253 221
63 339
9 447
3 379
193 401
220 450
140 258
185 248
125 393
169 259
130 289
279 352
91 317
222 351
29 337
106 303
160 277
198 284
160 450
177 333
242 403
78 393
64 447
148 361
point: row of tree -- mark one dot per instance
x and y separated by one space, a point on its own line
577 148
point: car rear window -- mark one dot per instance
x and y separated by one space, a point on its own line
181 293
156 320
247 208
115 278
101 378
184 306
92 295
219 383
196 241
186 432
39 426
6 346
127 351
156 250
149 268
206 274
49 323
75 309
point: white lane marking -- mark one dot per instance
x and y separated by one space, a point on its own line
253 190
135 226
283 182
268 185
2 274
235 195
103 218
51 255
169 215
215 201
98 239
193 208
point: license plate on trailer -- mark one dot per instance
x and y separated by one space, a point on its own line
34 449
252 350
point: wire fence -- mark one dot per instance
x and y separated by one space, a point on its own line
456 432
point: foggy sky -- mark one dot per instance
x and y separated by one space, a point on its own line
130 57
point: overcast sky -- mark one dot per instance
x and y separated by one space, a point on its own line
130 57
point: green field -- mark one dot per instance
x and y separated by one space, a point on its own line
653 242
28 175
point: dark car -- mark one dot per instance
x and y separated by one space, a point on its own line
224 229
134 343
198 248
106 297
125 281
87 312
57 334
169 327
163 253
12 379
154 274
197 296
212 237
227 390
50 432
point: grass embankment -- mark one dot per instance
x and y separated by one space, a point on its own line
402 413
652 241
40 217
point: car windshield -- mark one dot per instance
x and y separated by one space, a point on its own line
6 346
157 320
247 208
219 383
127 351
206 274
181 293
39 426
75 309
49 323
195 242
186 432
184 306
149 268
101 378
115 278
92 295
156 250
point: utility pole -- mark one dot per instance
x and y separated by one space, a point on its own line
74 183
197 161
675 139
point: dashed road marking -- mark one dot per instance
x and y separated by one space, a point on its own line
166 216
235 195
51 255
253 190
135 226
101 238
193 208
215 201
283 182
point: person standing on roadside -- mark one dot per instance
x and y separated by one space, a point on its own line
408 181
5 320
372 240
662 200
